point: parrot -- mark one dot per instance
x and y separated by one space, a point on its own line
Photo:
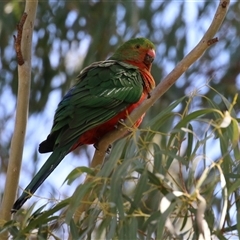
104 94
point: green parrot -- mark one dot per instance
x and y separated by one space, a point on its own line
105 93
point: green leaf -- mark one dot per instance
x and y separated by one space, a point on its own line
111 224
190 142
234 186
77 172
73 229
162 220
75 200
45 217
195 116
141 187
234 133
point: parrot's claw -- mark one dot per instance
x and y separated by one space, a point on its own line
108 149
96 146
120 121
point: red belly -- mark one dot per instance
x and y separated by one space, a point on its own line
92 136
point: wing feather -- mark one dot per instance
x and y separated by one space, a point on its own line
102 91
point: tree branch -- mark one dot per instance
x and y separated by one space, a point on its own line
23 47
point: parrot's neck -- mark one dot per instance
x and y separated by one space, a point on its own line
145 72
140 65
148 80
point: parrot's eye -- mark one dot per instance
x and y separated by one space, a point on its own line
137 46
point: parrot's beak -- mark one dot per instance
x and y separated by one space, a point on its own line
151 53
149 57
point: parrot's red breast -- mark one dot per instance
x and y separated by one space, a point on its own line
92 136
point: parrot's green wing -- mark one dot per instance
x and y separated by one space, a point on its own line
102 91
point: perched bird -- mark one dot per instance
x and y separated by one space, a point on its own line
105 93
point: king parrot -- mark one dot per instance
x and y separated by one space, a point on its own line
105 93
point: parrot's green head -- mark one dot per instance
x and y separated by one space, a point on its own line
138 51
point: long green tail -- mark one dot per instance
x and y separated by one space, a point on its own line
52 162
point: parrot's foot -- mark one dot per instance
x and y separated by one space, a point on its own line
96 146
120 121
108 149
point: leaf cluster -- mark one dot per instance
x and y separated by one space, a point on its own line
174 178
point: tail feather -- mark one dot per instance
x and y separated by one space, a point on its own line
51 163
